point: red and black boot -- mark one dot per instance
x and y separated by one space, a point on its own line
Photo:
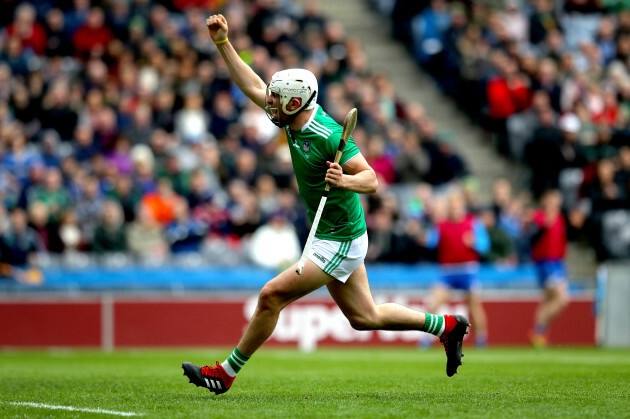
452 338
214 379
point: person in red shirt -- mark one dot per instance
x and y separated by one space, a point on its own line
459 239
92 35
30 33
549 243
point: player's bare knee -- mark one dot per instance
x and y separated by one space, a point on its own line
362 322
269 299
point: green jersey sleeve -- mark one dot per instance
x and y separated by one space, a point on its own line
349 151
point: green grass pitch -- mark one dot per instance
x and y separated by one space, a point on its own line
360 382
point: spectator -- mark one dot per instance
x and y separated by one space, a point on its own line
501 247
224 115
52 194
52 149
382 238
192 123
546 81
412 163
89 205
120 156
93 36
22 157
428 30
243 209
48 232
24 109
246 167
185 234
27 30
508 93
19 244
199 191
602 149
85 148
180 179
58 40
142 127
571 149
266 194
145 238
379 160
274 235
78 14
56 111
515 22
446 165
541 21
70 234
161 204
543 152
15 57
128 196
109 236
549 243
163 110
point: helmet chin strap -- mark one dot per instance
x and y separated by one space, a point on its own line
291 117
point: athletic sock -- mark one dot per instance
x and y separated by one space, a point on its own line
438 325
233 364
540 329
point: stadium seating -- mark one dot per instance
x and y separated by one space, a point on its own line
540 74
124 143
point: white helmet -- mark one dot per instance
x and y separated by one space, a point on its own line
294 82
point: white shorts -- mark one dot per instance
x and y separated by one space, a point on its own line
339 259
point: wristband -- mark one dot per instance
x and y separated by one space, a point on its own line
223 41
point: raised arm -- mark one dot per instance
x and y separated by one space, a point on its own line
245 78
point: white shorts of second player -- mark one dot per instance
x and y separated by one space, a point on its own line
339 259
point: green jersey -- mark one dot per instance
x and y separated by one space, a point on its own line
311 147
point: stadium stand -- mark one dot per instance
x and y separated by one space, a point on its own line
551 82
124 143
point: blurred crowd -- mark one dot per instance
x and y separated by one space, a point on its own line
551 81
122 138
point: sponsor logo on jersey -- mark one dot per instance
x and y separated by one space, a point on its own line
323 259
306 146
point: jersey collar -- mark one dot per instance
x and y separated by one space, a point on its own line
315 110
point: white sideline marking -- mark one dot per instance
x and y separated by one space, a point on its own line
75 409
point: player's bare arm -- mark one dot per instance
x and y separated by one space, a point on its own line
356 175
245 78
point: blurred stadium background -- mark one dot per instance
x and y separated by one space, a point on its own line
142 196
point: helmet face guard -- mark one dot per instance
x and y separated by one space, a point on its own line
269 109
288 84
284 100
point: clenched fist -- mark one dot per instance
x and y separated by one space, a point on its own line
217 27
334 174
